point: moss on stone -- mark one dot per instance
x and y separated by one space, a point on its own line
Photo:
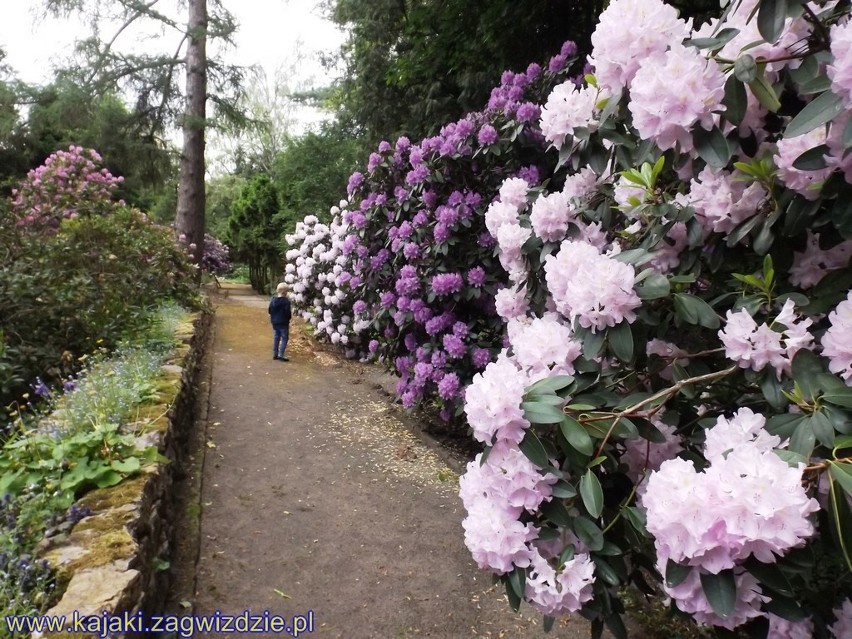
101 499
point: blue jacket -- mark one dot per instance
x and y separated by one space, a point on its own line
279 312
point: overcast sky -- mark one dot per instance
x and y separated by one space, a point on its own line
270 31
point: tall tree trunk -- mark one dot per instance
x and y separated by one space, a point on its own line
189 220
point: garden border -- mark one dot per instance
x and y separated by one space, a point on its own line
116 560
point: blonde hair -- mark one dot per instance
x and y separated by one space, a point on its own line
281 289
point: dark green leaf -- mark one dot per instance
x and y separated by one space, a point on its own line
845 441
842 474
721 591
770 19
712 146
555 511
593 344
806 368
541 413
653 287
720 40
518 581
547 623
803 439
576 435
620 340
822 428
563 490
839 397
550 384
589 533
822 109
771 576
676 573
771 388
592 494
817 84
736 100
763 90
531 447
812 159
695 310
605 571
786 608
636 257
635 518
514 599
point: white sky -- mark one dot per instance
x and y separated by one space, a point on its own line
269 33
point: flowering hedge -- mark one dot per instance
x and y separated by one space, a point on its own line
671 408
406 271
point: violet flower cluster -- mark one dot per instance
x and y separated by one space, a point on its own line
68 184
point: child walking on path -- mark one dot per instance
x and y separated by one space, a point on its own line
279 315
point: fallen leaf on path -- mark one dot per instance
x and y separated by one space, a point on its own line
211 445
280 594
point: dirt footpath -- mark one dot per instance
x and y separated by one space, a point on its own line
316 497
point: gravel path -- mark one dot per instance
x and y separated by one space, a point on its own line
317 497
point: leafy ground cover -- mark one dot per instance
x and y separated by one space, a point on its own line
75 439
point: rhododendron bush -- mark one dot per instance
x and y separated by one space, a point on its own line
672 405
406 271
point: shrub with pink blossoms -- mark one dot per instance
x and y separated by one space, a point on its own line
664 288
691 243
68 184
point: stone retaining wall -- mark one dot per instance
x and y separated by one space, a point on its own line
116 560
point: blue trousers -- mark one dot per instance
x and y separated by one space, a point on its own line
279 341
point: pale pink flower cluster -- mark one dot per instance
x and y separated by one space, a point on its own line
752 346
589 287
720 201
507 478
690 598
493 403
780 628
551 216
806 183
560 593
511 303
814 263
747 502
666 111
630 34
842 628
837 341
510 239
567 108
745 428
840 69
497 540
545 347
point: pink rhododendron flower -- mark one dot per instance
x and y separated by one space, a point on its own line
630 34
511 303
550 217
493 403
514 191
842 628
720 201
594 289
780 628
840 69
690 598
507 476
806 183
666 111
747 502
752 346
567 108
563 592
496 539
498 214
812 264
546 345
837 341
